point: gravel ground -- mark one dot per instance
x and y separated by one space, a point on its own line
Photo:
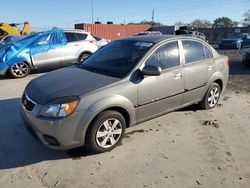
186 148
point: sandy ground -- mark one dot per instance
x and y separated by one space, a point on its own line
186 148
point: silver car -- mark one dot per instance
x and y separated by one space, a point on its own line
124 83
79 45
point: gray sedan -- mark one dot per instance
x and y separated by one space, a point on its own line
124 83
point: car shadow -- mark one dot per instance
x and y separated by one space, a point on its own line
17 147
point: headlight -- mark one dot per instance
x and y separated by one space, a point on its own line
59 109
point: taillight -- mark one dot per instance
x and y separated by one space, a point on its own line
228 62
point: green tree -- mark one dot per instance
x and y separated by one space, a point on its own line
148 23
198 24
224 22
246 21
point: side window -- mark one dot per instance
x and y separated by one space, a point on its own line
166 56
208 53
193 51
81 36
71 37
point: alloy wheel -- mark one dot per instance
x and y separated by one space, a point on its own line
213 97
20 70
109 133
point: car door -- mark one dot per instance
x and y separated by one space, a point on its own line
197 69
159 94
44 56
72 48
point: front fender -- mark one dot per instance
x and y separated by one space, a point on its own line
100 105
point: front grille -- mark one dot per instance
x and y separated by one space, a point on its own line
28 103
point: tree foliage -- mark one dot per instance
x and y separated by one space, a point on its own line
198 24
148 23
246 21
224 22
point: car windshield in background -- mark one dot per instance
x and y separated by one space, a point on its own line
117 58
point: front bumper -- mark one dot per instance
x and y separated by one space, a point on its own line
59 134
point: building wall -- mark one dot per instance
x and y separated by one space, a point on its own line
165 30
113 31
215 35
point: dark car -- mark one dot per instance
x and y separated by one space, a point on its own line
234 41
246 42
246 57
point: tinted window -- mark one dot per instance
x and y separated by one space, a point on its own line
117 58
71 37
81 36
166 56
97 38
208 53
193 51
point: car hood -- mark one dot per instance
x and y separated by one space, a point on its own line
70 81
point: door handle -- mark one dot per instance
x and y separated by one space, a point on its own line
210 67
177 76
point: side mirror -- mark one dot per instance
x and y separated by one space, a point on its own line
151 70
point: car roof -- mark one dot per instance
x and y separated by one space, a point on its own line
157 38
76 31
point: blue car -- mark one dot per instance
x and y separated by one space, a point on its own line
235 41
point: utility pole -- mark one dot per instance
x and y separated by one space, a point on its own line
92 11
153 16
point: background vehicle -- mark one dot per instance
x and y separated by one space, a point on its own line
234 41
246 41
132 80
101 41
78 45
149 33
11 29
246 57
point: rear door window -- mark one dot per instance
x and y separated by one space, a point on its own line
193 51
71 37
166 56
208 53
81 36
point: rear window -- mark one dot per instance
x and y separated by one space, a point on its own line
97 38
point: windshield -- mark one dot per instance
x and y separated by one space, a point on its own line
236 36
117 58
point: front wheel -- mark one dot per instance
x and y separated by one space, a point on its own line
211 98
105 132
19 70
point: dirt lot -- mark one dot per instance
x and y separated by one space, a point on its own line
187 148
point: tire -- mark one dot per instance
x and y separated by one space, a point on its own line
83 56
100 135
19 70
211 98
244 61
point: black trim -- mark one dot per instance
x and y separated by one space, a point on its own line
195 87
154 100
184 91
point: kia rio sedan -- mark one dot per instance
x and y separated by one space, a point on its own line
124 83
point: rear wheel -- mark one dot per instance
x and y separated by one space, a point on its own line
105 132
211 98
83 57
19 70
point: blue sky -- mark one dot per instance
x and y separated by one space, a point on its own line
64 13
